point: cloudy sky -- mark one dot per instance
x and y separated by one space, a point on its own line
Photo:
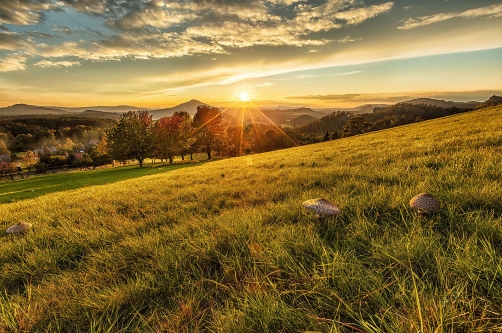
318 53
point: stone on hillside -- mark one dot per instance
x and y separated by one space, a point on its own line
19 228
322 207
425 203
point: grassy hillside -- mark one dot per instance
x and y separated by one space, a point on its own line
37 185
227 246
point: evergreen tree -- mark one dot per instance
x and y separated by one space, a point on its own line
326 137
355 125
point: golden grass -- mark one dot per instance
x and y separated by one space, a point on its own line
227 247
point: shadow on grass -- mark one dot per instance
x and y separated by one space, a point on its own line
36 186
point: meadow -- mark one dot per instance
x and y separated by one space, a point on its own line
227 246
36 185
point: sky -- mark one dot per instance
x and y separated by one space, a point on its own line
314 53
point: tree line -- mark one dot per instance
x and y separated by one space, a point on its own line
341 124
136 136
66 134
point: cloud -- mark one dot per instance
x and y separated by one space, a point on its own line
285 2
64 30
13 62
11 41
349 73
266 84
488 12
47 63
226 23
23 12
95 7
348 39
358 15
332 97
41 35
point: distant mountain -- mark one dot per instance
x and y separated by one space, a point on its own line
443 103
302 120
366 108
25 109
190 107
118 108
266 116
492 101
98 114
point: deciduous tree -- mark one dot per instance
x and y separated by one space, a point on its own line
173 135
29 160
209 128
132 136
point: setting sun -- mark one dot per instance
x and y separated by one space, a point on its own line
244 96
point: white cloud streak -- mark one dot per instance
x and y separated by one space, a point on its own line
47 63
487 12
23 12
13 62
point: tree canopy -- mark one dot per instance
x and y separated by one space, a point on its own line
209 129
132 137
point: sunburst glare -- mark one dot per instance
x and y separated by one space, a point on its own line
244 96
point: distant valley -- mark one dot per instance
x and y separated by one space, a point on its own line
283 116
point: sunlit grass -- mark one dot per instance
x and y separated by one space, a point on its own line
227 246
37 185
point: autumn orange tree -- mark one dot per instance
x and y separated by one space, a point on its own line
173 135
209 129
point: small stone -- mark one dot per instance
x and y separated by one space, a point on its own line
425 203
19 228
322 207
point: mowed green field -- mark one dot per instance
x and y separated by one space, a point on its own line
36 185
228 247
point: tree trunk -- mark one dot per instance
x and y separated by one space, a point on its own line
182 157
140 160
208 154
170 160
191 157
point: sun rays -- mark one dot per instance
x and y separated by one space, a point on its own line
244 96
244 110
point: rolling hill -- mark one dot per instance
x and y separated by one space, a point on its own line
492 101
117 108
228 247
301 120
25 109
190 107
443 103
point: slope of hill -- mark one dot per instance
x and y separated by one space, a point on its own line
98 114
443 103
25 109
302 120
365 108
492 101
190 107
266 116
118 108
227 246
